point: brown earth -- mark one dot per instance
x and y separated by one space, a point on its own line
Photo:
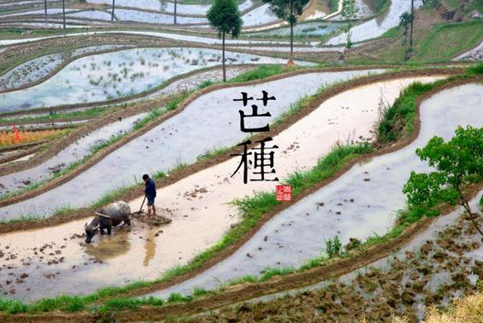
377 295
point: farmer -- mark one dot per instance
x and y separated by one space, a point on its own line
150 192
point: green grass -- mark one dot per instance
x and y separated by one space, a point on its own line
173 104
326 167
64 210
333 5
439 44
197 291
153 114
11 306
85 114
452 4
382 5
258 73
213 153
398 120
445 41
13 33
475 5
474 70
27 188
177 297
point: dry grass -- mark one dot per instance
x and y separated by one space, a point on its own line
7 138
466 310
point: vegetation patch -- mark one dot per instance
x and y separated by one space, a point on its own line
399 120
10 138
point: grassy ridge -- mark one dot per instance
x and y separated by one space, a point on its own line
445 41
440 43
399 120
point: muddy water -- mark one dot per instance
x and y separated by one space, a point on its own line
141 4
316 28
24 158
211 121
156 18
362 202
192 9
430 234
91 14
35 69
71 154
474 54
198 204
259 16
377 26
57 260
50 11
114 75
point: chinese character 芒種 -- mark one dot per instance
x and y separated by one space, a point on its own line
245 98
262 161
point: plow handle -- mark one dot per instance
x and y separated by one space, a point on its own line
142 204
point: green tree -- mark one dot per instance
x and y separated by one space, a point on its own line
225 17
349 12
458 163
288 10
405 22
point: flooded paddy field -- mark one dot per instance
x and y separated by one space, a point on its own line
121 74
128 90
200 206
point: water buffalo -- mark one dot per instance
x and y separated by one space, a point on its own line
107 217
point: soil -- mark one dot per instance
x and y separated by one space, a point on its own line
443 266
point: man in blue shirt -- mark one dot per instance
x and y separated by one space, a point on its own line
150 192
